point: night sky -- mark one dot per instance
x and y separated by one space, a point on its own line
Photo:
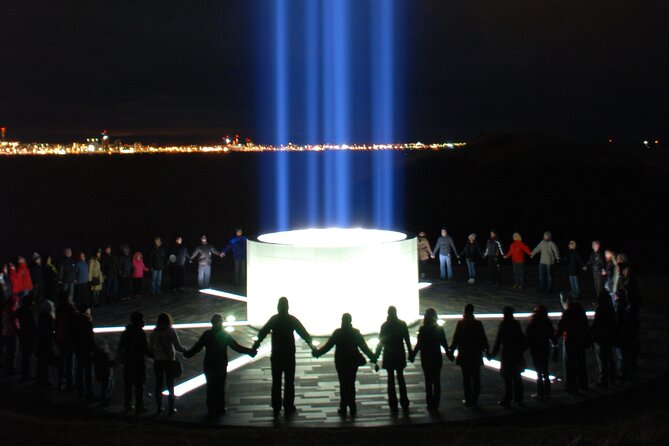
186 72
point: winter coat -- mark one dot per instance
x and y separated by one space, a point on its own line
180 253
157 258
596 262
573 326
424 250
125 266
445 246
238 247
471 251
393 337
512 343
82 272
517 251
68 270
95 272
539 334
204 253
348 342
574 263
164 343
138 267
431 339
109 265
548 251
216 342
470 340
493 248
16 280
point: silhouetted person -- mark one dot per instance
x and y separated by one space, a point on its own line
348 342
64 337
45 342
27 334
573 329
110 269
628 304
132 351
493 255
178 257
238 246
539 334
597 264
216 342
471 342
512 343
163 344
157 260
431 339
84 346
125 273
203 253
283 325
394 335
37 277
602 332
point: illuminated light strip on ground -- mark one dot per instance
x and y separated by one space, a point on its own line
552 314
423 285
119 329
217 293
200 380
496 365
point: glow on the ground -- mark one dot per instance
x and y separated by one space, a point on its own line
224 294
423 285
119 329
496 365
552 315
332 237
200 380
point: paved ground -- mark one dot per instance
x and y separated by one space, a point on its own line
316 381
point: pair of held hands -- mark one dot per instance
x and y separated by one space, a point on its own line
317 354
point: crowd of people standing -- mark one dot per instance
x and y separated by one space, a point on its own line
46 314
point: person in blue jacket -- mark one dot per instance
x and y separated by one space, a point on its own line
238 246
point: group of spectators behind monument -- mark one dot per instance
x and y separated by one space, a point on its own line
46 315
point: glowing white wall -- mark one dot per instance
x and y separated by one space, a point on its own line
322 283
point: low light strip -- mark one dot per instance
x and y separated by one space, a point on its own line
423 285
496 365
119 329
552 314
223 294
200 380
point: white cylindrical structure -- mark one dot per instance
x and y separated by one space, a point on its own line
327 272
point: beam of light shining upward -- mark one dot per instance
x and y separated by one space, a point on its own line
333 81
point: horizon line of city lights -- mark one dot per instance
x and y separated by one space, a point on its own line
93 147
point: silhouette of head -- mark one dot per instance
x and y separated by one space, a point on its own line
164 321
282 306
430 317
541 312
346 320
392 312
217 320
137 319
508 312
469 310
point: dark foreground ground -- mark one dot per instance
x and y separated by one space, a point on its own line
635 415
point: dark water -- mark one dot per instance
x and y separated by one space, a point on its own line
578 193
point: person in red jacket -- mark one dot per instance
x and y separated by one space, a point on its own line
24 274
517 251
15 279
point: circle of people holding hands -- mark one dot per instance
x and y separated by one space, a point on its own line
61 338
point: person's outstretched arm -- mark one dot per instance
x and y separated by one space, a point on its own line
407 339
240 348
442 339
455 250
197 348
301 331
327 347
264 331
365 348
177 343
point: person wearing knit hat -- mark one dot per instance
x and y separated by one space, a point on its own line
471 252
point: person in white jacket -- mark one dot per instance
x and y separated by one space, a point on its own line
549 255
163 345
